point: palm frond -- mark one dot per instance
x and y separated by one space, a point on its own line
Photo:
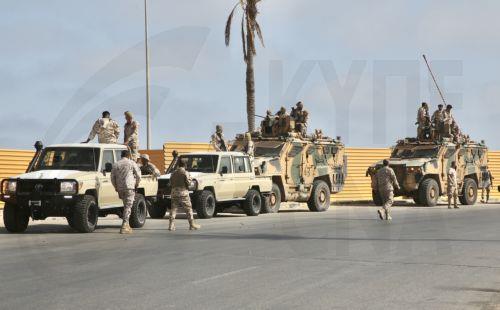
259 33
227 33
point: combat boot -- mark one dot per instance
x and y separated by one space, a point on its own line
381 214
171 225
126 230
193 225
388 216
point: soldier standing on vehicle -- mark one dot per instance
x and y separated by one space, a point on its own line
452 185
125 178
385 182
487 185
106 129
217 141
437 120
131 138
301 117
448 121
249 147
422 120
147 168
180 181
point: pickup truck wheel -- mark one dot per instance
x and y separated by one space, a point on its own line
139 212
85 215
253 203
157 210
205 204
469 193
429 193
320 197
273 202
377 200
14 219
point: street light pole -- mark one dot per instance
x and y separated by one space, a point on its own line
148 102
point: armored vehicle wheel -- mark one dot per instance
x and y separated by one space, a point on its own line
253 203
377 200
469 195
139 212
85 215
320 197
14 219
272 204
429 193
204 204
157 210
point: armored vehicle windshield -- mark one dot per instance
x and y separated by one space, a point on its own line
68 158
268 148
415 152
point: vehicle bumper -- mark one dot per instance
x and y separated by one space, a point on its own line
43 206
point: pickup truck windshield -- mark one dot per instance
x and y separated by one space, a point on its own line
200 163
415 153
76 158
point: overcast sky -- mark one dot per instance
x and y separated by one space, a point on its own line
356 65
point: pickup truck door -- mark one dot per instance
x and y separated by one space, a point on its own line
224 186
108 197
243 176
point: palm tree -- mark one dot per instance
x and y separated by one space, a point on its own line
249 30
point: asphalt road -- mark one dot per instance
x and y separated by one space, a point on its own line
427 258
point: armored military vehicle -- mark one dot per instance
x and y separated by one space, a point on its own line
72 181
303 168
421 168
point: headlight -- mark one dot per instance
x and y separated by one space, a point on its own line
414 169
69 187
9 186
193 185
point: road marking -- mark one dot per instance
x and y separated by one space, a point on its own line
224 275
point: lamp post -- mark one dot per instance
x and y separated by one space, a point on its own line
148 102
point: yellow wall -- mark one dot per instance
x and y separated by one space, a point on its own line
13 162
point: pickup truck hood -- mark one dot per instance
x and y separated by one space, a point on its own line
55 174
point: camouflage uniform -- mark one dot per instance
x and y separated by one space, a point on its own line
249 148
452 189
180 181
437 120
217 141
301 118
125 177
132 138
107 131
385 182
448 121
422 121
150 169
488 183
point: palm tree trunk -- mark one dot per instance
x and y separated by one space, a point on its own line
250 93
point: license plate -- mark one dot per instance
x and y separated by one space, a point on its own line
35 203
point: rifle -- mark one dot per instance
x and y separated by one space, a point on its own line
434 79
259 116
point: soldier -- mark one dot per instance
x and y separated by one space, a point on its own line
106 129
131 138
126 177
448 121
301 118
487 185
452 185
385 182
457 133
180 181
249 147
268 123
437 120
218 142
147 168
422 120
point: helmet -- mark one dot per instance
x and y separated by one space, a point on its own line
300 105
218 128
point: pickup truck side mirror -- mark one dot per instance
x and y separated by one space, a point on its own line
224 170
107 168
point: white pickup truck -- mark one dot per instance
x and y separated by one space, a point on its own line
220 180
72 181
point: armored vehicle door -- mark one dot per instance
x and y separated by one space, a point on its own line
223 183
105 190
316 162
294 164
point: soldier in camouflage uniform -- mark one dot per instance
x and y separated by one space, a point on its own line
452 188
147 168
217 141
488 184
385 182
249 147
106 129
422 120
126 177
448 121
131 138
180 181
437 121
301 118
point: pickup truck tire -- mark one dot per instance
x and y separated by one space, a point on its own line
253 203
320 197
429 193
14 219
377 200
469 193
139 212
205 204
157 210
85 215
273 202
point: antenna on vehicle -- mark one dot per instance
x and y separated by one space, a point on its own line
434 79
